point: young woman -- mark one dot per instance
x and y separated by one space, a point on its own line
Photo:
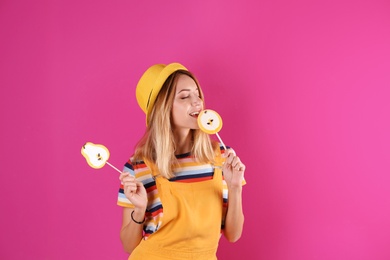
180 189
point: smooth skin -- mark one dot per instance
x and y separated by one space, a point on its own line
184 117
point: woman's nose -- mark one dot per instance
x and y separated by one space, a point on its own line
196 100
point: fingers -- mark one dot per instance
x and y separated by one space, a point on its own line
233 161
125 176
129 183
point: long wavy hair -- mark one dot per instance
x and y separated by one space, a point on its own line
157 147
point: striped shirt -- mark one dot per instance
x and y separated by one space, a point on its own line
188 170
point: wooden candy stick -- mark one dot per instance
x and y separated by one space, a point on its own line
210 122
96 155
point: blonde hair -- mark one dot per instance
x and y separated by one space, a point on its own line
157 146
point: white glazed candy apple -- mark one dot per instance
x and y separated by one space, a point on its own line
95 154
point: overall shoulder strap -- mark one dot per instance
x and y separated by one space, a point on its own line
152 167
218 157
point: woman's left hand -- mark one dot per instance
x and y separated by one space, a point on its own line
233 170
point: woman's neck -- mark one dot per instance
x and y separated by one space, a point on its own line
183 142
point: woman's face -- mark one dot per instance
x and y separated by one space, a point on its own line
187 104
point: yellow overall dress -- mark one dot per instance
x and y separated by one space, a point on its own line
191 225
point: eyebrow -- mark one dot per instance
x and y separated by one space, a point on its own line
186 89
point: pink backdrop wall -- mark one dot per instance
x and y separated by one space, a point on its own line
302 86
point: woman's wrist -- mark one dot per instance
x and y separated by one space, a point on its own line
235 189
139 210
138 216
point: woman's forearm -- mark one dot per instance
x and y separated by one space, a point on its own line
131 232
234 217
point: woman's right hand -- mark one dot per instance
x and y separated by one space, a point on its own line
134 190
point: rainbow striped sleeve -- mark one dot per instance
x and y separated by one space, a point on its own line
122 200
153 214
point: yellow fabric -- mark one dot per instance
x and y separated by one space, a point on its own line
191 222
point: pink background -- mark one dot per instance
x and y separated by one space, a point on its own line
302 86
